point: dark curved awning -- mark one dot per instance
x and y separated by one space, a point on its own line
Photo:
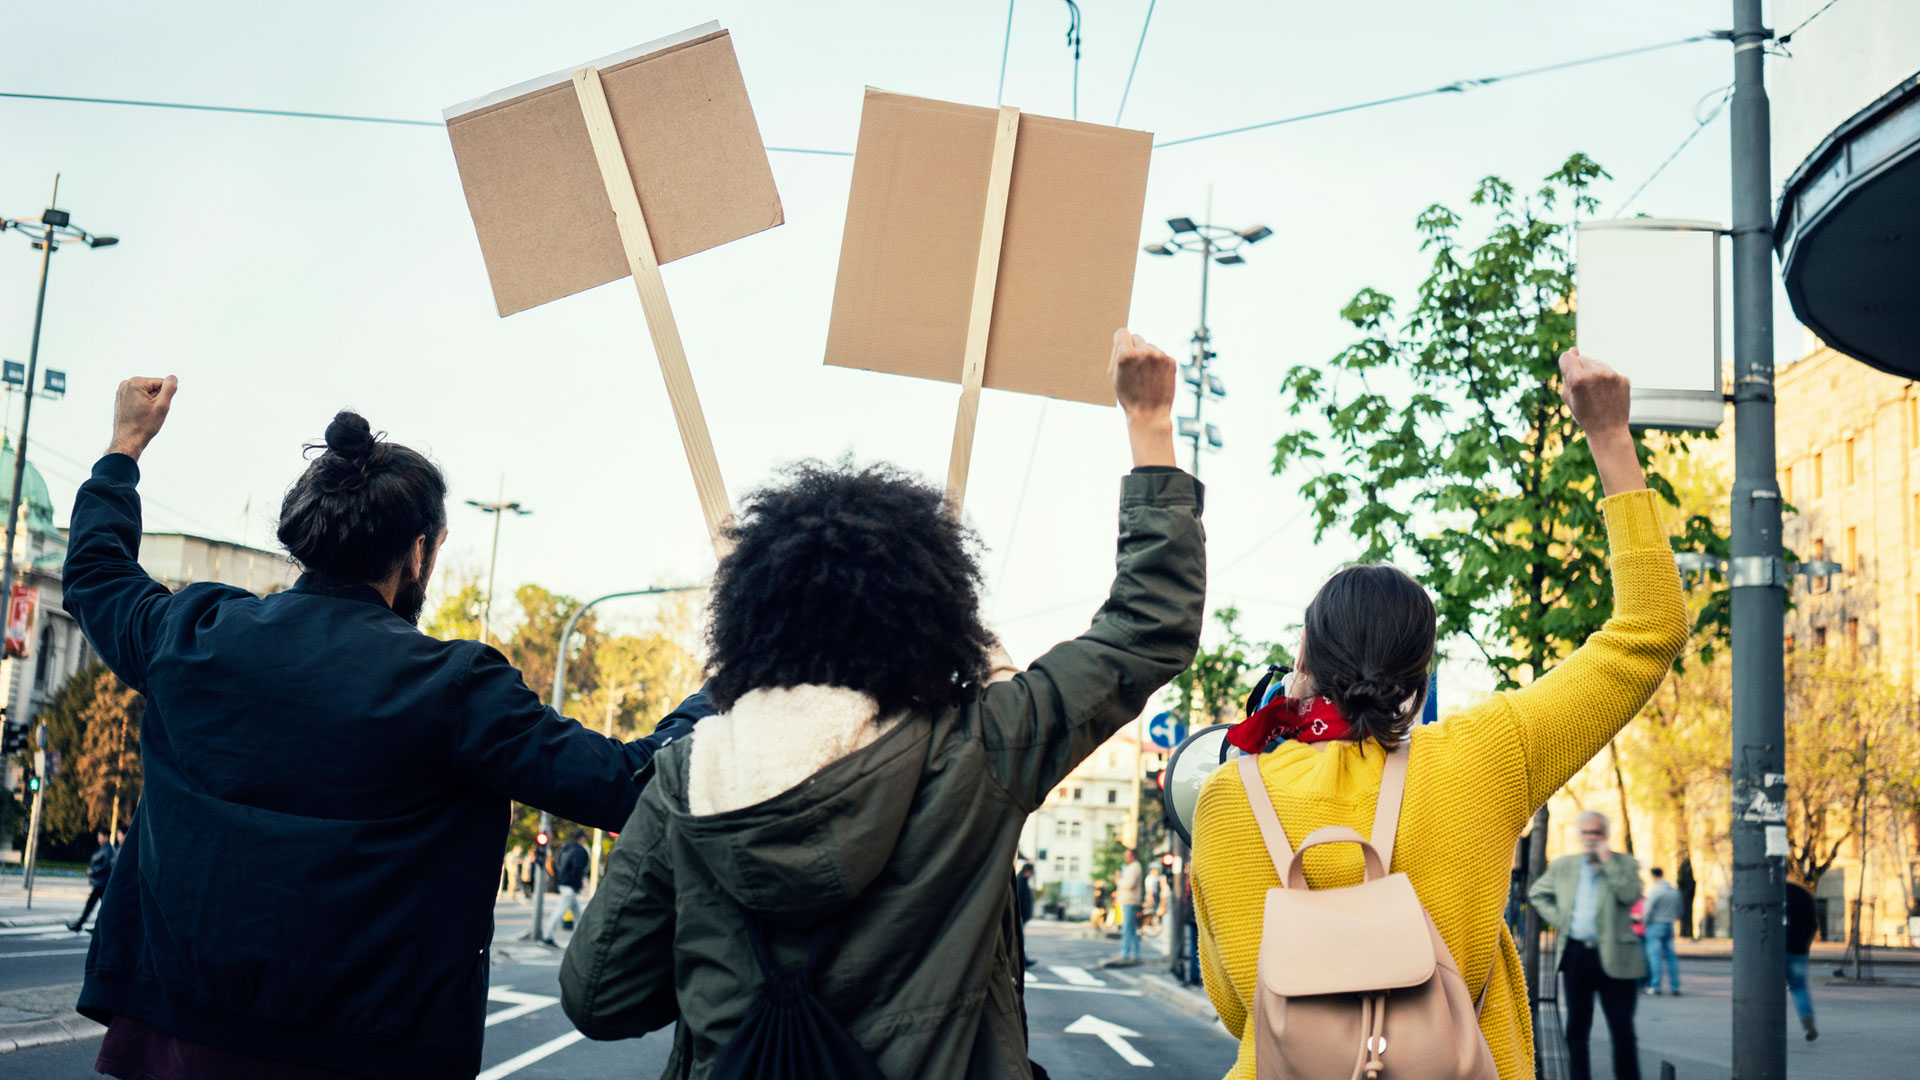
1848 234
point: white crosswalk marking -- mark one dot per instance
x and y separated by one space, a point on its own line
515 1064
1078 976
43 952
522 1003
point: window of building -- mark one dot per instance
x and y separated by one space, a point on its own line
1076 794
1819 475
1786 483
1913 423
1853 639
44 662
1113 796
1789 642
1819 637
1852 475
1073 866
1853 549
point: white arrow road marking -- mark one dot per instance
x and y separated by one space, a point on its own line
522 1004
514 1065
1107 1032
1078 976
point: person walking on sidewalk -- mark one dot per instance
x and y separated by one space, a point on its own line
1473 780
99 869
1587 896
1801 921
846 827
1662 912
1023 901
1130 891
307 887
570 873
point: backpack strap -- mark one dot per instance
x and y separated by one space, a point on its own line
1270 829
1393 790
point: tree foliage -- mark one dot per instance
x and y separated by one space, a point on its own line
1214 689
1441 435
1850 745
109 765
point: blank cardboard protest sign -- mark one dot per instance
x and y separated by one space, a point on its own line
539 204
913 237
1648 293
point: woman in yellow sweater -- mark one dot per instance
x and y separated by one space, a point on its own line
1473 780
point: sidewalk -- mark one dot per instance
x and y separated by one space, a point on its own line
1823 952
55 900
41 1016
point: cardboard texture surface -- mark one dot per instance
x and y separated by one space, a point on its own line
912 239
540 207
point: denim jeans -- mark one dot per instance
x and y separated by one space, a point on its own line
1130 931
1797 984
1659 951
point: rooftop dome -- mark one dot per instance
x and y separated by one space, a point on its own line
36 508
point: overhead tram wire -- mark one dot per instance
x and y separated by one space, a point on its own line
300 115
1699 125
1128 91
1459 86
1788 36
1456 87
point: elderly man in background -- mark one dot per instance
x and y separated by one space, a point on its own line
1588 897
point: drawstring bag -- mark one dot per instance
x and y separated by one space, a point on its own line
790 1034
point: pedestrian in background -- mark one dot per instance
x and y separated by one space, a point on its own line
1588 897
510 871
570 874
1802 919
850 817
1663 910
1473 780
308 886
99 869
1130 891
1023 899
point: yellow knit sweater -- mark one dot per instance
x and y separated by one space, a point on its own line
1473 782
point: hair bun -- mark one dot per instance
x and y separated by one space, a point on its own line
1363 693
350 435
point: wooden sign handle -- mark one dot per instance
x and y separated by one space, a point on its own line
638 243
980 318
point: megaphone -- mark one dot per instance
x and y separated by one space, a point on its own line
1202 752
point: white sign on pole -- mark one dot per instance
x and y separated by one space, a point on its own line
1648 303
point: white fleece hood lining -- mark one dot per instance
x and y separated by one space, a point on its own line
772 740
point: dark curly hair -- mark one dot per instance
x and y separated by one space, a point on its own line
361 504
1368 646
849 576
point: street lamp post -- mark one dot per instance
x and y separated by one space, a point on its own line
51 229
498 510
1214 244
558 700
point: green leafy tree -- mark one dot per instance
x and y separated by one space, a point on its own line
1850 741
1215 688
457 613
1441 438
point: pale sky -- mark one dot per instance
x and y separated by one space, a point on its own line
286 268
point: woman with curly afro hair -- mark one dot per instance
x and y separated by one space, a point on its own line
855 808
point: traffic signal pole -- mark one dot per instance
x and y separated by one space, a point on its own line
33 817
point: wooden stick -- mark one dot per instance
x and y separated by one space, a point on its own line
980 319
634 237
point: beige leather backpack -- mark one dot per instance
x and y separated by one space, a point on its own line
1357 981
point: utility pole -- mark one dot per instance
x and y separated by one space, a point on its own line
498 509
1759 585
33 817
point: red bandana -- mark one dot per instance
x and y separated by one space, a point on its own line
1313 720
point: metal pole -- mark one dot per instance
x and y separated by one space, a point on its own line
1759 584
26 417
486 606
557 700
33 818
1201 338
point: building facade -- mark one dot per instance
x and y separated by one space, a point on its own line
1091 808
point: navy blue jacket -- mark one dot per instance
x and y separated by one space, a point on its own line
310 873
570 869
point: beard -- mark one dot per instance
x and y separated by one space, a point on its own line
410 598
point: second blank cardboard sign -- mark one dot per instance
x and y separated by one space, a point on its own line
539 205
913 236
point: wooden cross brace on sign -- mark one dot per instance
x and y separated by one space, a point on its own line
986 274
638 244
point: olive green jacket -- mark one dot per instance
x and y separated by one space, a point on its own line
908 841
1622 954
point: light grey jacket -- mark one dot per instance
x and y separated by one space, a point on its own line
1622 955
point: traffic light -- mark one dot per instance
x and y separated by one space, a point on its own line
1166 859
540 839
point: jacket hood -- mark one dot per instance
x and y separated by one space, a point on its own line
793 801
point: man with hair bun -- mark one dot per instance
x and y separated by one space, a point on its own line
355 773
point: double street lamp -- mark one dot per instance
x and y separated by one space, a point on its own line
48 232
498 510
1214 244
